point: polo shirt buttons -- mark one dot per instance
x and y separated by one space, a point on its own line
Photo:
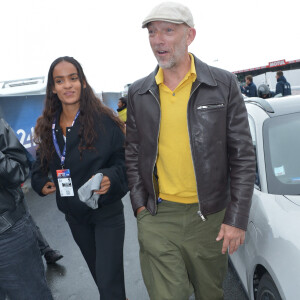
69 129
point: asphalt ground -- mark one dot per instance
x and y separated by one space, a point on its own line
70 278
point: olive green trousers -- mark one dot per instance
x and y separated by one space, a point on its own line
179 253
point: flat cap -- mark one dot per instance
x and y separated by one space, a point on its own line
170 12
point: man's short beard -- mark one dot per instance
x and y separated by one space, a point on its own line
167 65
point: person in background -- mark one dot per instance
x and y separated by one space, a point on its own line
122 109
22 274
264 91
78 137
250 89
51 256
282 86
190 163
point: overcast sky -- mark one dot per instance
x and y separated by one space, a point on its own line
106 37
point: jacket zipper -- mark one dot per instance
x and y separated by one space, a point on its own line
156 149
210 106
199 211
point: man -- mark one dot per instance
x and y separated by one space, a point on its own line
282 86
250 89
122 109
22 273
190 163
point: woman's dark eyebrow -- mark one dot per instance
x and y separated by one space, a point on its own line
66 76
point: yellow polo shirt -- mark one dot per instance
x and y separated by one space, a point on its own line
175 170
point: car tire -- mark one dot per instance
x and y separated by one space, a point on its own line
267 289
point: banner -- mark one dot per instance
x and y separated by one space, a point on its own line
21 113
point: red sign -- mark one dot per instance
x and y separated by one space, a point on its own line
277 63
272 64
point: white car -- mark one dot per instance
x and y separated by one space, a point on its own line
268 264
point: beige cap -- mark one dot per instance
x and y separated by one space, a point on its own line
170 12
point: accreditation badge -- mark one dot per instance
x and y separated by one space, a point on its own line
65 183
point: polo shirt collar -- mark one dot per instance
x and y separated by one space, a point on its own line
159 78
204 75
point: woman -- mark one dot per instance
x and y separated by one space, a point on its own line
78 137
122 109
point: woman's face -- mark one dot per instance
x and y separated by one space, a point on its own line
67 85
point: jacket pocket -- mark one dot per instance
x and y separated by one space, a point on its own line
211 106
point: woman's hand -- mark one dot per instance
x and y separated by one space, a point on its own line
49 188
104 186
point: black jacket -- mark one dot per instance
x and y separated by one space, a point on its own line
13 169
220 142
250 90
283 87
106 158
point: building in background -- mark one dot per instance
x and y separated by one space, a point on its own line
266 74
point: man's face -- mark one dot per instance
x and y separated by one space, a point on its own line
248 81
120 104
169 42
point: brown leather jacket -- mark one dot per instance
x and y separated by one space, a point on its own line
220 142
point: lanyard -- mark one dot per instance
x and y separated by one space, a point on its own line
63 155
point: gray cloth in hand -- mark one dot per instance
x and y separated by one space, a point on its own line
86 192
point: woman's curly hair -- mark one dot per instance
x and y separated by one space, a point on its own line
91 110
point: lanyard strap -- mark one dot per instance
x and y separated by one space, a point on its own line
63 155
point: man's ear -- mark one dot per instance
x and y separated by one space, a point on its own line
191 35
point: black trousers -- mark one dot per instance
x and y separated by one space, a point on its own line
101 241
42 242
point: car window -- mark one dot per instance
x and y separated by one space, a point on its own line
282 154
